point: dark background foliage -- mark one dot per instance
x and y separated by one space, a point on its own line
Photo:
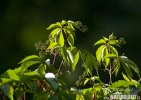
24 22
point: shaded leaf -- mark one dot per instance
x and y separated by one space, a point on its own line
134 67
8 91
29 76
54 83
126 66
89 61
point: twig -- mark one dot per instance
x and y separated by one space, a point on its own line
55 54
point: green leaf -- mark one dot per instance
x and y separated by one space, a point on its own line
5 81
125 77
70 56
53 83
53 45
42 69
89 61
111 56
27 64
86 81
54 34
56 25
129 64
31 57
60 39
105 59
33 86
114 51
121 84
8 91
29 76
41 96
64 53
71 40
19 91
12 75
76 59
134 66
79 97
99 42
126 66
116 65
63 22
114 42
99 53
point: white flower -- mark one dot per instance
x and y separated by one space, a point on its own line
48 62
49 75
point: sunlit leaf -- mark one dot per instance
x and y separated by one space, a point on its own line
125 77
31 57
100 42
79 97
56 25
27 64
114 51
63 22
86 81
54 34
121 84
64 53
105 59
116 65
42 69
70 40
99 53
75 54
111 56
13 75
70 56
5 81
60 39
53 45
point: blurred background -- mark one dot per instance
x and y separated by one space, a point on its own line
24 22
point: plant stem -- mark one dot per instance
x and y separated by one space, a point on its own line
54 58
110 74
